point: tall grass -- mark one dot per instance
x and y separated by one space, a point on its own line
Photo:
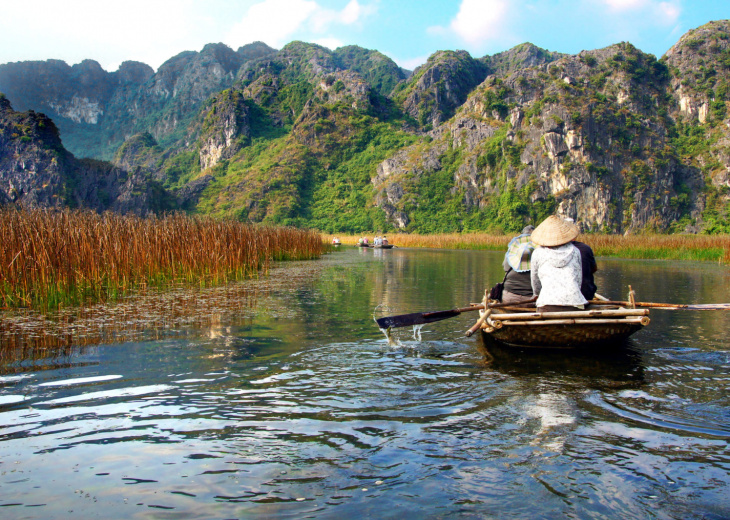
49 258
441 241
670 247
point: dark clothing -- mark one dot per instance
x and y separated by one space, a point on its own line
588 263
558 308
517 283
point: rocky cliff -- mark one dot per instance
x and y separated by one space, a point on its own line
581 135
345 140
36 171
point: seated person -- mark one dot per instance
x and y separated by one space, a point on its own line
516 264
589 266
556 267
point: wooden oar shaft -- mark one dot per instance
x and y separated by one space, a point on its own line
479 307
453 311
420 318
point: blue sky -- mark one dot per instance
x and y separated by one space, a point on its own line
408 31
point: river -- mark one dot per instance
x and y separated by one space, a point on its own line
280 398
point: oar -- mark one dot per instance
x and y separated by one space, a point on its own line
419 318
669 306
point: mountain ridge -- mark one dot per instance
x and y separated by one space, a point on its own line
346 140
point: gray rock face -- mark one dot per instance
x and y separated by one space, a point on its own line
582 131
437 88
523 56
37 172
612 137
225 124
700 87
90 105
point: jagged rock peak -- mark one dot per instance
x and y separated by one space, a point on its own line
229 59
296 61
4 102
133 151
376 68
134 72
700 66
521 56
705 37
436 88
88 66
255 50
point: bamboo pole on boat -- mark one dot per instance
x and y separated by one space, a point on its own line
495 324
484 315
547 316
669 306
643 320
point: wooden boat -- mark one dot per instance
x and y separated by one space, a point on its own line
386 246
596 326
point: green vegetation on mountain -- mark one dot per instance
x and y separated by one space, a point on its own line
346 141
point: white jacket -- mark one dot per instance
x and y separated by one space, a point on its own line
556 275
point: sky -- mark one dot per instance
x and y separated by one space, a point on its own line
408 31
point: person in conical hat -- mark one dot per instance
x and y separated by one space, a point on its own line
556 269
589 265
516 265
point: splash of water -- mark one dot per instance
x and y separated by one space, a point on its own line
417 332
392 340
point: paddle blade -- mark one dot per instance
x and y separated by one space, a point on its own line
416 318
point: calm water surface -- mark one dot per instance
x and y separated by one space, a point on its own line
280 398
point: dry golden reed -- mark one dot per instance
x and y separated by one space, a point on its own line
671 247
50 257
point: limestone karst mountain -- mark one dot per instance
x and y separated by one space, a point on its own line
346 140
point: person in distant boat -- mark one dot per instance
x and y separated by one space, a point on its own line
589 266
516 264
556 268
384 241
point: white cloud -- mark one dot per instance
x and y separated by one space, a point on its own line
669 12
664 12
107 32
352 12
277 21
477 22
271 21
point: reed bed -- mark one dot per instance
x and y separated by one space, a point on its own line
714 248
50 258
441 241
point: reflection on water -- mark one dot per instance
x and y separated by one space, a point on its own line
281 398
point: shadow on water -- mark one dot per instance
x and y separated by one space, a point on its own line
615 364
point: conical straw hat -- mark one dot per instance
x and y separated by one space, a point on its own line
519 252
554 231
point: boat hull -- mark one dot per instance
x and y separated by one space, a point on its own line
562 336
580 330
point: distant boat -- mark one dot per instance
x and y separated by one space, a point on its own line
384 246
